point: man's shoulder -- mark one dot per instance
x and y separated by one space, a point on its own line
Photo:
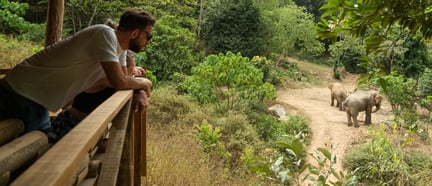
99 27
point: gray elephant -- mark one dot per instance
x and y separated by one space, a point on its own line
338 93
360 101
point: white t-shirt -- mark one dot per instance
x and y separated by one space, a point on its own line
55 75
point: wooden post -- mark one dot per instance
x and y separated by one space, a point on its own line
20 151
140 149
9 129
54 19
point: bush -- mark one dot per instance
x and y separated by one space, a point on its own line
297 124
237 135
166 107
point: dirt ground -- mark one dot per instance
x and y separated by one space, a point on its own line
329 125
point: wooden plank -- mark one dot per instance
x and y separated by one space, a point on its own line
54 21
137 147
126 174
111 162
57 166
143 158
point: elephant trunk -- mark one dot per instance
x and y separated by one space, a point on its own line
377 106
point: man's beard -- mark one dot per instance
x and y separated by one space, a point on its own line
134 46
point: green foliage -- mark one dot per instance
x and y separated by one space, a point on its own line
419 167
312 6
415 58
267 126
186 11
425 89
228 78
380 163
172 49
12 22
283 167
13 51
347 52
297 124
321 174
399 91
374 18
83 13
168 108
237 135
209 138
235 26
288 167
271 72
290 30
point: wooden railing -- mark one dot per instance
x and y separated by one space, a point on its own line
106 148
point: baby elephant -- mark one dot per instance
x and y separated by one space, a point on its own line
360 101
338 92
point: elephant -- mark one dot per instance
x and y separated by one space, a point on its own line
360 101
338 92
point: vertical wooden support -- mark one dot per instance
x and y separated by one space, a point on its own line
109 175
53 31
144 143
140 162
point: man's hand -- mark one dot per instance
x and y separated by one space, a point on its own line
148 85
141 100
139 71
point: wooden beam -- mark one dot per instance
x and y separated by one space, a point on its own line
109 174
58 164
54 26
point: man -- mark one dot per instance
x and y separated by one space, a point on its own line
85 102
52 77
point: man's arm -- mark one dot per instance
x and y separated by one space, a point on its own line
120 81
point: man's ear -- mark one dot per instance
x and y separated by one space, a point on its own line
135 33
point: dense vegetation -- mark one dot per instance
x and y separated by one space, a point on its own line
216 66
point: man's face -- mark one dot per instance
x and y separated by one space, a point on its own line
138 43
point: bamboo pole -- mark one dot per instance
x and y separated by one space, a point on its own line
10 129
18 152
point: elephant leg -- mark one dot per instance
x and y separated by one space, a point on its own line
368 118
332 101
348 113
354 117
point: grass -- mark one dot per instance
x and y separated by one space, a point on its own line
174 156
13 51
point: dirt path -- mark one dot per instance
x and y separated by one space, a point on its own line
328 124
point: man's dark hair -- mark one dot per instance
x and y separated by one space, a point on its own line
133 19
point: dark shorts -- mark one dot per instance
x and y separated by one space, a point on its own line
60 125
13 105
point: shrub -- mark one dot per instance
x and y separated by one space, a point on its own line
378 162
237 135
297 124
166 107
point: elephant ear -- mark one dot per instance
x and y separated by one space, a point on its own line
375 97
378 98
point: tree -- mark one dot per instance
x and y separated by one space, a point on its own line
290 30
228 79
234 26
312 6
12 22
374 19
172 49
